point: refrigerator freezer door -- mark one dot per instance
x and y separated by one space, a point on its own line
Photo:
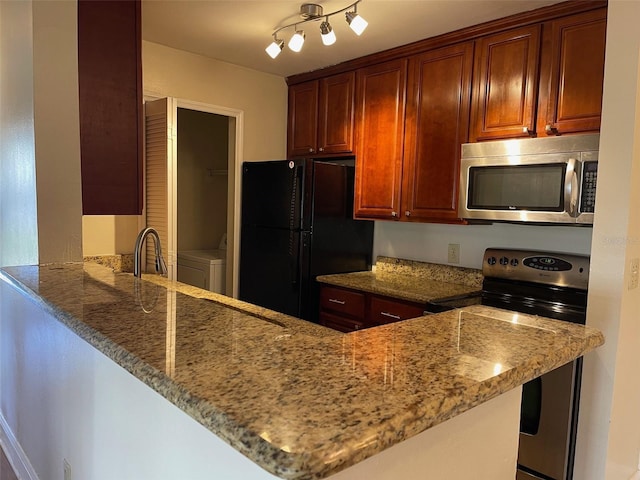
270 268
272 193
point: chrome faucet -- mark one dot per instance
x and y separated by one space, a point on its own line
161 266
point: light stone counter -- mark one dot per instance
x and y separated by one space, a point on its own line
419 282
301 401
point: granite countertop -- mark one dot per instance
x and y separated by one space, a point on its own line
413 281
300 400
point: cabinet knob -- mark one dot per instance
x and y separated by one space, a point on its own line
321 149
550 129
311 150
407 213
528 131
394 214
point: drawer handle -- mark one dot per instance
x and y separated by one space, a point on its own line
339 302
390 315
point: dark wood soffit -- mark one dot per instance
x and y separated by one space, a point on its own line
470 33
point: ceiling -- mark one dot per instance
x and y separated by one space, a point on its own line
238 31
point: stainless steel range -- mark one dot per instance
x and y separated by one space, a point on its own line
552 285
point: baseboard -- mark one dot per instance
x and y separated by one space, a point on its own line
16 456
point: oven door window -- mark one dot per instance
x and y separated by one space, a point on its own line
537 187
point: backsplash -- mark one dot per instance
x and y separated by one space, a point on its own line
119 263
429 271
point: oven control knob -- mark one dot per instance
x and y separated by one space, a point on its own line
504 261
514 262
491 260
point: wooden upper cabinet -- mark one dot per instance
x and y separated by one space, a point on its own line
335 116
321 116
110 101
438 103
574 65
380 109
506 84
302 137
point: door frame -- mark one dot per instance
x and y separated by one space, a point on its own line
235 158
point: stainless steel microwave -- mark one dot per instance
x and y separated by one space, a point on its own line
542 180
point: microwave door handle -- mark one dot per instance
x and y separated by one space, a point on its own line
571 188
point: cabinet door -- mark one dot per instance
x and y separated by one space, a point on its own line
506 84
342 302
386 310
438 102
302 135
335 116
380 107
577 74
342 324
110 106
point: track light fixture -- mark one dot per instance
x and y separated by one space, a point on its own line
327 33
355 21
312 12
275 48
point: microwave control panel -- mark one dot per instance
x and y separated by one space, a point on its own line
588 191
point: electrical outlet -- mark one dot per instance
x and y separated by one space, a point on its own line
66 469
453 253
634 272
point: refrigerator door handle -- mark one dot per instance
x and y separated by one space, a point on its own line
294 258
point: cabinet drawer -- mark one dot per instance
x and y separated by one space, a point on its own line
386 311
341 324
344 302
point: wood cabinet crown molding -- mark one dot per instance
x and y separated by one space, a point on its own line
539 15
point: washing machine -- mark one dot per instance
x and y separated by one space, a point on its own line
203 268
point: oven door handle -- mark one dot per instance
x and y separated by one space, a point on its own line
571 187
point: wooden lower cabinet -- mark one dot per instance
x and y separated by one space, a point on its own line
349 310
386 310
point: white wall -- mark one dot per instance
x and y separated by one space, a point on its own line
39 132
109 234
428 242
261 96
57 131
18 220
609 429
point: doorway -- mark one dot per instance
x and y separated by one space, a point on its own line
192 166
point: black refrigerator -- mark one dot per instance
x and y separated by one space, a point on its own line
297 223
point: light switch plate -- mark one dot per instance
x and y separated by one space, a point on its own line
634 271
453 253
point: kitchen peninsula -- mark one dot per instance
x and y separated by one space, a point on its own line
298 400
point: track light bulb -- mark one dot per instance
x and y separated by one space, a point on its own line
275 48
356 22
328 35
297 41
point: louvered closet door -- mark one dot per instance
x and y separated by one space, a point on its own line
160 179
